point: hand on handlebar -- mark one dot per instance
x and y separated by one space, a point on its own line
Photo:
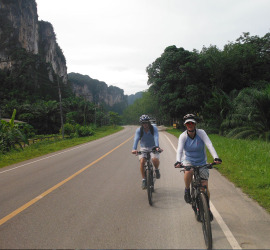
217 161
178 164
157 149
135 152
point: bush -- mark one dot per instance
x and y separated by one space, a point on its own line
10 135
85 131
26 129
77 130
69 129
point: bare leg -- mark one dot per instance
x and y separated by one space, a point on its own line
155 162
142 162
187 178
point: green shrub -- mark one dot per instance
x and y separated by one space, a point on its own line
69 129
85 131
10 135
26 129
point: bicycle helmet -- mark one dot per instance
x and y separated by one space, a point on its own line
144 118
189 118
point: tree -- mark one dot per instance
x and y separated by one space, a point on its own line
115 119
170 76
215 111
147 104
250 116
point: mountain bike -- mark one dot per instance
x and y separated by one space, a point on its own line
149 172
200 202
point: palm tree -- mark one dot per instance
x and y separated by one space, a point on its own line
215 111
250 117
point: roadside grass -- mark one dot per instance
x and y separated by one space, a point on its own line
245 163
46 147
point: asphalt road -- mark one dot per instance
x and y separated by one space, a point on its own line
90 196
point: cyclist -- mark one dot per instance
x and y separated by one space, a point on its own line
149 138
191 151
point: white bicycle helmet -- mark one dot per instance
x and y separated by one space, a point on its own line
189 118
144 118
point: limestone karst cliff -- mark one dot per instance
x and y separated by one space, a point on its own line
31 56
97 91
19 26
20 29
50 50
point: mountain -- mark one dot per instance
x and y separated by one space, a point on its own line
132 98
33 66
21 30
98 92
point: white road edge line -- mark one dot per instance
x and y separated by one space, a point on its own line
227 232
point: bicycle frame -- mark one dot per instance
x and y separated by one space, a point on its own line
197 182
149 174
148 164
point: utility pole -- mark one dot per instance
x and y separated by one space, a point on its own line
61 113
95 116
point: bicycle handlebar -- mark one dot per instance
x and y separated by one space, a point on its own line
151 151
209 166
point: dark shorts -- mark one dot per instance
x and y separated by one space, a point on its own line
204 172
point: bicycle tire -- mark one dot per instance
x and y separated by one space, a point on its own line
205 219
193 199
152 181
149 186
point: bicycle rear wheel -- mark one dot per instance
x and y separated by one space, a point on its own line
205 219
149 185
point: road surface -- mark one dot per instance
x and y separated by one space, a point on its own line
90 196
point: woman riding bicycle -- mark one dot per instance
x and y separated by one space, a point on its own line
148 137
191 151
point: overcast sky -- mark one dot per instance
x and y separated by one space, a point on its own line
115 40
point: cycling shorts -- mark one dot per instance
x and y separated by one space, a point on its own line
204 172
145 155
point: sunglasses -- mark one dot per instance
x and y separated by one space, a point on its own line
145 122
190 123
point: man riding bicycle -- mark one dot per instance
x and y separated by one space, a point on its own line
149 138
191 151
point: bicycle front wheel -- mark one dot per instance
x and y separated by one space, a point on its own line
205 219
149 185
153 181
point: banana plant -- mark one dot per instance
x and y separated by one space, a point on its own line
10 135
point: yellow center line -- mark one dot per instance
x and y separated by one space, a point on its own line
39 197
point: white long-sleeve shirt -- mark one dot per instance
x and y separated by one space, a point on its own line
193 150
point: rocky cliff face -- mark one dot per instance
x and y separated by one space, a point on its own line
19 24
50 50
20 28
96 91
28 48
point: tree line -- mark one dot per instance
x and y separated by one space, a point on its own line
228 89
33 90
